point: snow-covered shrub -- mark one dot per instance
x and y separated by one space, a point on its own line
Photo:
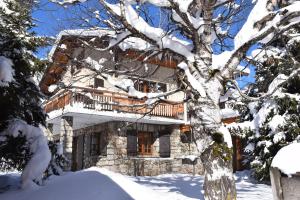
23 145
58 160
273 122
14 152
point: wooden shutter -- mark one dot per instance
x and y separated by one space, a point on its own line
164 144
131 143
103 144
88 144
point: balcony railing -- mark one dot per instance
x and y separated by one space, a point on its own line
101 100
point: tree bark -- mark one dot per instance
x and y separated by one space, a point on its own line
216 157
206 120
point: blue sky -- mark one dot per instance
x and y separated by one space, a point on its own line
51 19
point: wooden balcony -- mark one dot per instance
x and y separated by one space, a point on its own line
101 100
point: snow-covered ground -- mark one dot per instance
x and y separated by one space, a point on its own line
98 183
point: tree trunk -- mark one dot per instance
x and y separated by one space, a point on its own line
216 157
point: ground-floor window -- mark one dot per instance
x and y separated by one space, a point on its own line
140 143
145 143
98 143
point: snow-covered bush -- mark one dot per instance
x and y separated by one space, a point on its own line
58 160
14 152
273 122
23 145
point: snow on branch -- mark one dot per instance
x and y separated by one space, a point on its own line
196 84
6 71
65 2
138 26
261 26
280 80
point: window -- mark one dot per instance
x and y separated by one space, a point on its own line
149 86
95 138
98 144
145 143
186 137
98 82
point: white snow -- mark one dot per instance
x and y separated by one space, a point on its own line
249 148
135 43
243 69
226 136
196 84
278 137
128 85
259 117
276 82
190 157
276 121
158 35
98 183
63 2
97 65
41 155
6 71
287 159
3 5
63 46
52 88
229 113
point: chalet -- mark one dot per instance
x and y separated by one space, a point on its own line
100 124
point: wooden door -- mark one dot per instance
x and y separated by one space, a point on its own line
78 150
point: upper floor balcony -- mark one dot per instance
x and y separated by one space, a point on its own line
108 104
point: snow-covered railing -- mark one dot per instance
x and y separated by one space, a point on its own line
103 100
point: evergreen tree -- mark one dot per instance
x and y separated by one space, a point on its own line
19 95
276 119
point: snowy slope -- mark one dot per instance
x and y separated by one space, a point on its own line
99 183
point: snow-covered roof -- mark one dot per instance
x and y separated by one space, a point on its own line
79 32
287 159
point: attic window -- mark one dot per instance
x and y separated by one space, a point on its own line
98 82
149 86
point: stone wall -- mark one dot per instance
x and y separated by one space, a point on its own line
283 187
118 161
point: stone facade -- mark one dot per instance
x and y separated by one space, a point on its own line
116 158
66 137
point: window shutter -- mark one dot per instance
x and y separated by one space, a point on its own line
103 144
88 144
164 144
131 143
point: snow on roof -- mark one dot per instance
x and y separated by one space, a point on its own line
229 113
79 32
287 159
